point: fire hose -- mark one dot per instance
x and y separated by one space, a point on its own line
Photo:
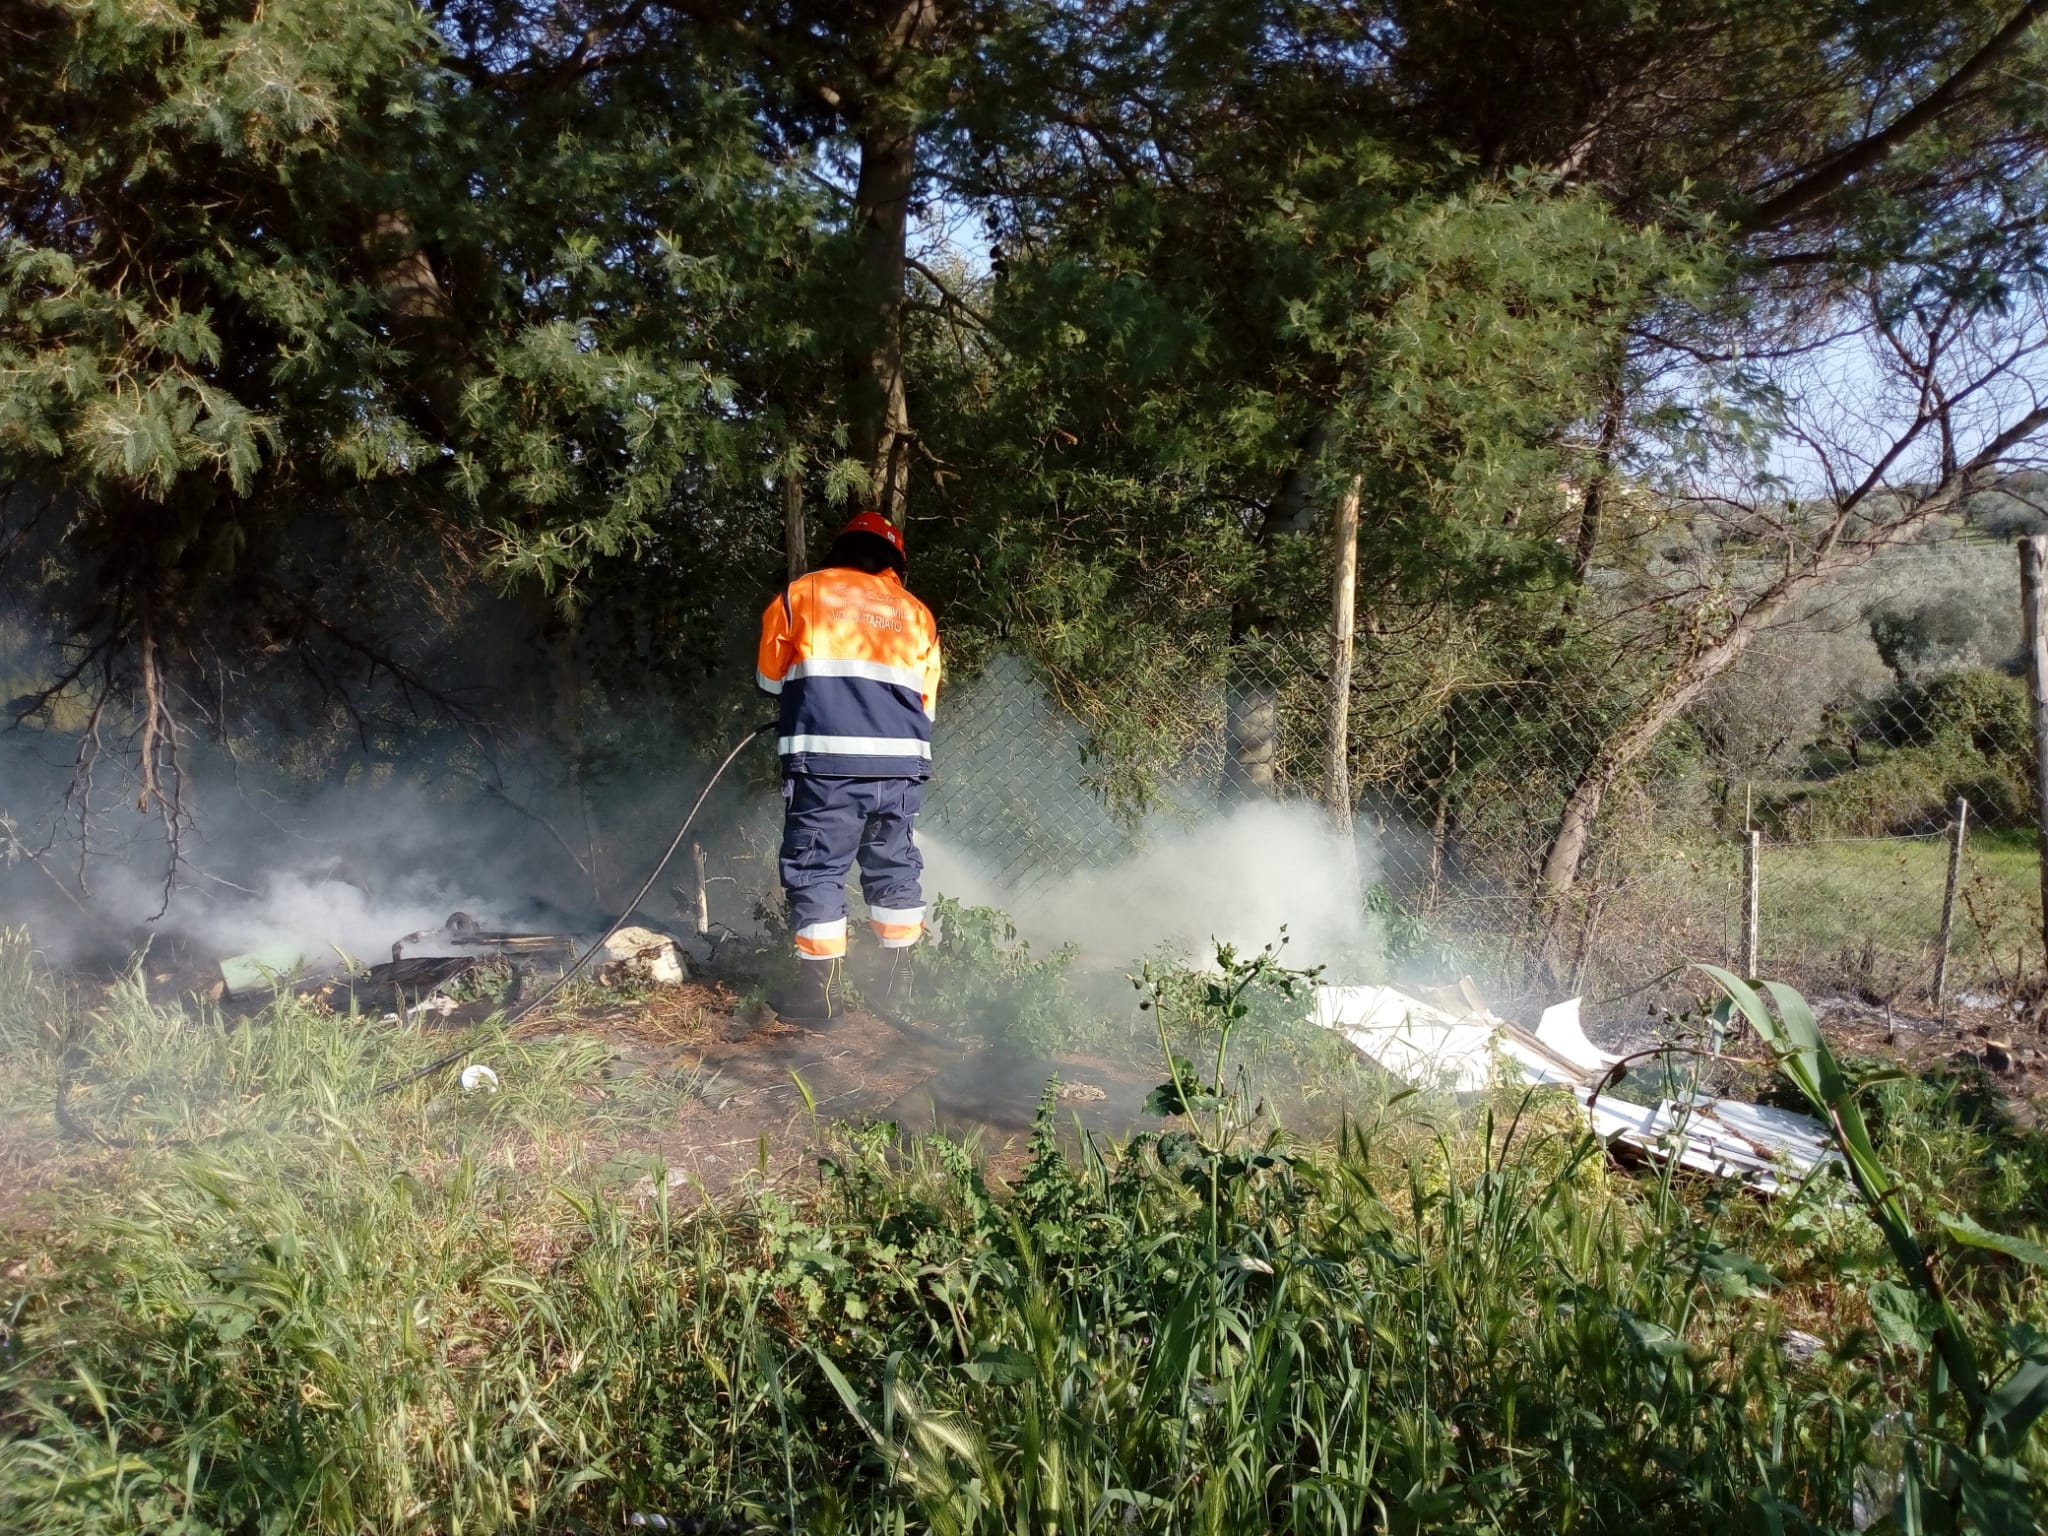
442 1063
66 1066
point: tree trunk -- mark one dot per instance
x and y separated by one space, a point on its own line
880 425
1251 725
881 413
2034 617
1439 833
1620 752
796 531
1596 487
420 313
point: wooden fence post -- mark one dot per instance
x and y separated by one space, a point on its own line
1752 886
703 890
2034 609
1958 830
1343 646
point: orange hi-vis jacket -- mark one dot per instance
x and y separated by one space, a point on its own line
855 661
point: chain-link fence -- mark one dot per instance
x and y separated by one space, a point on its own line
1844 735
1901 920
1013 782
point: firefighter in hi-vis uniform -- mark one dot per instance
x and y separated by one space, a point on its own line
854 659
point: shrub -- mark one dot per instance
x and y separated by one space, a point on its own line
978 976
1783 694
1974 709
1967 733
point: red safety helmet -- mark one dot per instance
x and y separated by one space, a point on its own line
875 523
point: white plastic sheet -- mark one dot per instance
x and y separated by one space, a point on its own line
1467 1049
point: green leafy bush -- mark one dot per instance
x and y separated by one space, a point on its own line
977 976
1963 1469
1966 733
1988 712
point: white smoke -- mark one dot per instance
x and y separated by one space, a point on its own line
344 870
1235 877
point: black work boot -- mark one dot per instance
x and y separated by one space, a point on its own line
897 995
814 998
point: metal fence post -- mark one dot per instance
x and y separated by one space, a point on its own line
2034 609
1752 885
1960 822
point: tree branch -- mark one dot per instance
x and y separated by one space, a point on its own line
1832 174
953 299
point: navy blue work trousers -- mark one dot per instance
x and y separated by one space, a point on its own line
828 824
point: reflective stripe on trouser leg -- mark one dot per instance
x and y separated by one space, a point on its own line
821 829
822 941
897 927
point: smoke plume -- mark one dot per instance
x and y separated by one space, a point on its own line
1236 877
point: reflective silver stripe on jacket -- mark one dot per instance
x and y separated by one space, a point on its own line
873 671
854 746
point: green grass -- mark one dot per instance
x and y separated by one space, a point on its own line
1871 911
1859 916
333 1311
